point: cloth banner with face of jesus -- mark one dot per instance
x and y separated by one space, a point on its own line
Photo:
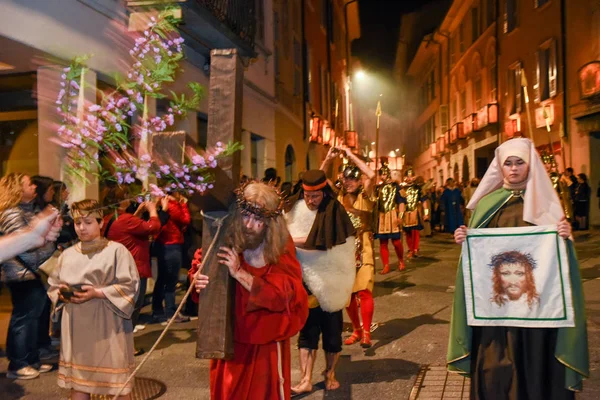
517 277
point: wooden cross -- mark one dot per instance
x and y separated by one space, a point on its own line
215 322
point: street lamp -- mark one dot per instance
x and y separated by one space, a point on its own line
360 75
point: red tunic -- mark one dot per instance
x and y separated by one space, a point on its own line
266 317
134 233
179 219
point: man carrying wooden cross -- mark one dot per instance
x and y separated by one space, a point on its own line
270 303
324 239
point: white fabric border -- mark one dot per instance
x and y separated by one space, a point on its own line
538 253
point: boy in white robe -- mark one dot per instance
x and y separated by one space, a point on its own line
96 285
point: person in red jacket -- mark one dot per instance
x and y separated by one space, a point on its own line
270 304
135 234
168 248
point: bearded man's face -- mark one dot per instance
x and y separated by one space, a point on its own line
513 280
254 229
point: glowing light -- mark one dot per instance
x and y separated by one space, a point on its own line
360 75
372 143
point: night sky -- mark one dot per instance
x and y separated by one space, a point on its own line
380 21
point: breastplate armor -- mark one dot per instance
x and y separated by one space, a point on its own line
387 197
413 195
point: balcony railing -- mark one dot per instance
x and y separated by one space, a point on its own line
237 15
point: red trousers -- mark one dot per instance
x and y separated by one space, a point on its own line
385 253
363 300
412 239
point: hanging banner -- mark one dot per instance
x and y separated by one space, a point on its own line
517 277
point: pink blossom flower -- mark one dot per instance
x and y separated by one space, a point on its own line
94 108
198 160
156 191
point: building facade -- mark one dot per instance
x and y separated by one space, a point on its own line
498 69
34 32
453 77
289 114
329 28
582 143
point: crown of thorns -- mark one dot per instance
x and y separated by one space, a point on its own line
249 208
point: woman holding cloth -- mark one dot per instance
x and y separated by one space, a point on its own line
512 362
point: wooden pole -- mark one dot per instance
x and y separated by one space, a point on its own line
378 114
524 85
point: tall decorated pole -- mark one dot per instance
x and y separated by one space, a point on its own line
378 114
529 122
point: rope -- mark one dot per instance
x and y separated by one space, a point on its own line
219 223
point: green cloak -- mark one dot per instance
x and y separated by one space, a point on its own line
572 344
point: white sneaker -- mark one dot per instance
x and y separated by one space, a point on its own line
139 328
24 373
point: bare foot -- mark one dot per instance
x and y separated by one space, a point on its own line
303 387
330 382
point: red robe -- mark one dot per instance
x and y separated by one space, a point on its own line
266 317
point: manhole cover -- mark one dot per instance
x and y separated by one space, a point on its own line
436 383
143 389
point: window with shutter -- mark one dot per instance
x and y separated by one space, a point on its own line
453 110
510 15
545 86
493 83
478 92
518 88
514 89
443 118
553 69
463 104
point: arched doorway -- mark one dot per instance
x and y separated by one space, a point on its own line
465 171
456 175
290 163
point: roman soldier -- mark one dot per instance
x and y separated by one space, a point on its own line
562 189
357 198
390 205
417 210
